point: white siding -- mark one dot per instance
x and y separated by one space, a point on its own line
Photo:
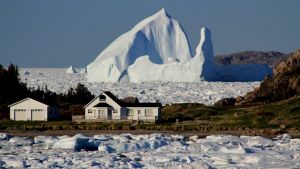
116 113
143 113
25 110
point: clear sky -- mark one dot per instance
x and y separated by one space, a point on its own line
59 33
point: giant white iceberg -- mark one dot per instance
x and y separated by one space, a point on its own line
71 70
158 36
157 49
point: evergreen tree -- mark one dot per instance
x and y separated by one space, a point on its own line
12 90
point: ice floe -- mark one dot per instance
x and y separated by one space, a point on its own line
149 151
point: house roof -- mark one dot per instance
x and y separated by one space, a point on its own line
123 104
114 98
91 101
102 105
142 104
28 98
109 94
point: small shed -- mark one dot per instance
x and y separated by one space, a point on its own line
31 110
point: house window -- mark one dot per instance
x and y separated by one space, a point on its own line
129 112
102 98
35 110
90 111
101 112
139 112
148 112
115 111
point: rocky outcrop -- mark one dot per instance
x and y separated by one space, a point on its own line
284 84
226 102
271 58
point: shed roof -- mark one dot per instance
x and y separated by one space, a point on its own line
28 98
142 104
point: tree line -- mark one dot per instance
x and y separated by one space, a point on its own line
12 90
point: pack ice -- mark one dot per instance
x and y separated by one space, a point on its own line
149 151
157 49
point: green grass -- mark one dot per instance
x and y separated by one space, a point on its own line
191 117
265 116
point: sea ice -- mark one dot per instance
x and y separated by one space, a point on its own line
3 136
77 143
150 151
57 80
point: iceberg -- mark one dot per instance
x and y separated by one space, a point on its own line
157 49
71 70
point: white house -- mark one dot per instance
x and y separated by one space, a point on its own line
108 107
31 110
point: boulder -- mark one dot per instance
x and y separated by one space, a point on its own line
226 102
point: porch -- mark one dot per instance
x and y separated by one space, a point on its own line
83 118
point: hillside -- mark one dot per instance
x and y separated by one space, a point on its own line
284 84
271 58
281 114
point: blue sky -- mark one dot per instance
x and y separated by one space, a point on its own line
59 33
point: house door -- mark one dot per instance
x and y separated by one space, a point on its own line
98 114
37 114
140 115
21 115
109 114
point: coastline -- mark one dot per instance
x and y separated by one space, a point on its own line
269 133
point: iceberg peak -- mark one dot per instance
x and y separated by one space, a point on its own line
204 52
205 34
161 12
205 44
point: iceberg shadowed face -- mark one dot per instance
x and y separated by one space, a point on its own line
157 49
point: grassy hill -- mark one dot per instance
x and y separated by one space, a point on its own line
282 114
